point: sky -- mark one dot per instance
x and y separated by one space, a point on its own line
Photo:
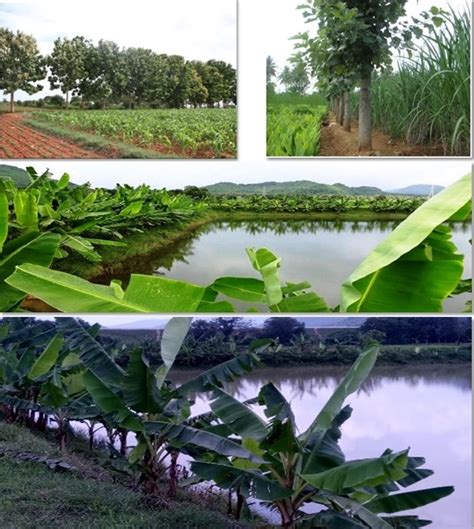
197 30
283 21
172 174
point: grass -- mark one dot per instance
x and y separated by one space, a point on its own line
96 143
33 496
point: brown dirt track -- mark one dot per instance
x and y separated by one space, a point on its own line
335 141
19 141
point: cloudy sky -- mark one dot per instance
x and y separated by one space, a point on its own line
283 21
197 30
177 174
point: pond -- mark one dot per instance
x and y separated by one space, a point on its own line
321 252
427 408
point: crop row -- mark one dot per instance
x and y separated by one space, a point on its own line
190 130
294 130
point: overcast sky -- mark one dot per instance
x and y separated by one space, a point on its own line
201 30
177 174
283 21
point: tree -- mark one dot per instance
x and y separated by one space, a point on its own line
67 63
295 77
271 74
20 64
197 92
285 329
138 69
359 51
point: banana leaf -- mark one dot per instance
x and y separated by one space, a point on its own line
68 293
417 267
408 500
47 359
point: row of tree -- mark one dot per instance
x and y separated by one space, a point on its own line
106 74
354 40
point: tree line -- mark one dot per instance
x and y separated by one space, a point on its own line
105 74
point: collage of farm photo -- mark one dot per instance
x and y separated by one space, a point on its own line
236 264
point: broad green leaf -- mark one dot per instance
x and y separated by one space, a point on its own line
47 359
68 293
3 220
408 500
83 247
26 209
29 248
308 302
183 435
139 387
138 452
245 289
109 403
173 337
248 482
363 473
90 351
238 417
359 511
354 378
267 264
221 374
416 268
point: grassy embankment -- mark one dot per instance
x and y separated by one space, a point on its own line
91 495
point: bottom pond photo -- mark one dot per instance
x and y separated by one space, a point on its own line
138 421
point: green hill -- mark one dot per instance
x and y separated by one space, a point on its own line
19 176
299 187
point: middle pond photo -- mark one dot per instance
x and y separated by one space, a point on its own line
90 238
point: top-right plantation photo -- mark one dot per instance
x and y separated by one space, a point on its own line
353 78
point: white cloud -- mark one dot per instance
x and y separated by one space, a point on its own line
197 30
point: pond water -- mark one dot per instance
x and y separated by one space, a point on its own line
427 408
321 252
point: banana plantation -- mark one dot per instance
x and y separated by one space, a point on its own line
56 379
416 267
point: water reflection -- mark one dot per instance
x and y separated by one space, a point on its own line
320 251
427 408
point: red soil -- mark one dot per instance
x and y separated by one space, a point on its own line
19 141
335 141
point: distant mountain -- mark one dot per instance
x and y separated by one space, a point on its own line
17 175
299 187
418 189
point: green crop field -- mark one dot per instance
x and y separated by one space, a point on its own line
190 131
294 125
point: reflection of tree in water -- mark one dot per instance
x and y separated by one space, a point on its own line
310 380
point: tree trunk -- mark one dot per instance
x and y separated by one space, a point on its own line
365 114
340 117
12 101
67 99
173 485
347 111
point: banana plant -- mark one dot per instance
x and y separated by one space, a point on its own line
297 470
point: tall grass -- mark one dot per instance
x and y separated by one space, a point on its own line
428 99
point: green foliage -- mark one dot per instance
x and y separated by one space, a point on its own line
294 129
21 64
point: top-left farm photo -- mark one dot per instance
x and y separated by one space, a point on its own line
106 80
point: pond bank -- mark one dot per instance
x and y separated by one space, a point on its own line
157 241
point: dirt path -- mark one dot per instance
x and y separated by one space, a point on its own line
335 141
19 141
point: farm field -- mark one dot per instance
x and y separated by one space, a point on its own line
178 133
77 240
414 100
190 133
85 428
